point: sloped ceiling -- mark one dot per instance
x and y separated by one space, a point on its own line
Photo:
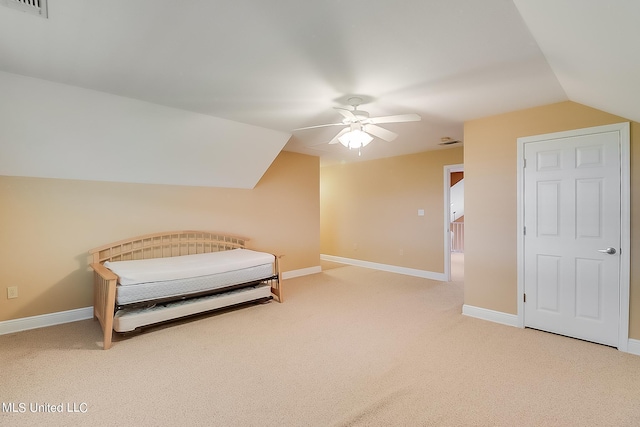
250 71
51 130
593 48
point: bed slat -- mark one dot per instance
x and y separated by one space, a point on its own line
167 245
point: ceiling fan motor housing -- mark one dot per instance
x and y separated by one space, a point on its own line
359 114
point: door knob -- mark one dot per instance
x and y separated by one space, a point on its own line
610 251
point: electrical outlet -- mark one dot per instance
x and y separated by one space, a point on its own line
12 292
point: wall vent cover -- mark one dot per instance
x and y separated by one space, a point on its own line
449 142
33 7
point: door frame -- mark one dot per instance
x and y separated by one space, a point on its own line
625 218
447 215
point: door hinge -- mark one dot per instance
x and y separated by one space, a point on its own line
524 230
525 297
524 163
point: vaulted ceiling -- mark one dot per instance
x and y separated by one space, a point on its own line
279 65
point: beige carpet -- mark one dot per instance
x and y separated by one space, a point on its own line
350 347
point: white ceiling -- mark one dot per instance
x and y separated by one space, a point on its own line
593 48
51 130
284 64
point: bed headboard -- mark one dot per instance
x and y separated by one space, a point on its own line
167 244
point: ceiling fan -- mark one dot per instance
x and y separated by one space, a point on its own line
359 127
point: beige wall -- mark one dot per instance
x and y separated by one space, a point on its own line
48 225
490 200
369 210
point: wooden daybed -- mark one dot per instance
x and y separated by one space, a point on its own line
238 276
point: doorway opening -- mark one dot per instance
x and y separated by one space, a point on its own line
454 222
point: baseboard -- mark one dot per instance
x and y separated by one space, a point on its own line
301 272
490 315
44 320
633 347
385 267
51 319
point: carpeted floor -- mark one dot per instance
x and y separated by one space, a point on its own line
349 347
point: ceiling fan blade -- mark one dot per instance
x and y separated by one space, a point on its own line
318 126
346 113
342 132
381 133
395 119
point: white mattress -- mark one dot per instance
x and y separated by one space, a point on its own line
174 288
186 266
129 319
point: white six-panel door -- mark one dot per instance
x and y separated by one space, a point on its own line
572 220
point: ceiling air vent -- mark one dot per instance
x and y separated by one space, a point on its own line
445 140
34 7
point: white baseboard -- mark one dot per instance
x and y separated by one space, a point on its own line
51 319
301 272
633 347
490 315
44 320
385 267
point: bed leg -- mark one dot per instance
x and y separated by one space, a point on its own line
108 314
104 305
107 339
277 291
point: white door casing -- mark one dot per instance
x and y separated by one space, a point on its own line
573 204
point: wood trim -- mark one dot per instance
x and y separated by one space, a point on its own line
490 315
45 320
440 277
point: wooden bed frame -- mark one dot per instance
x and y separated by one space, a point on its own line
158 245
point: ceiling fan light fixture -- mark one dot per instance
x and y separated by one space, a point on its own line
355 139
